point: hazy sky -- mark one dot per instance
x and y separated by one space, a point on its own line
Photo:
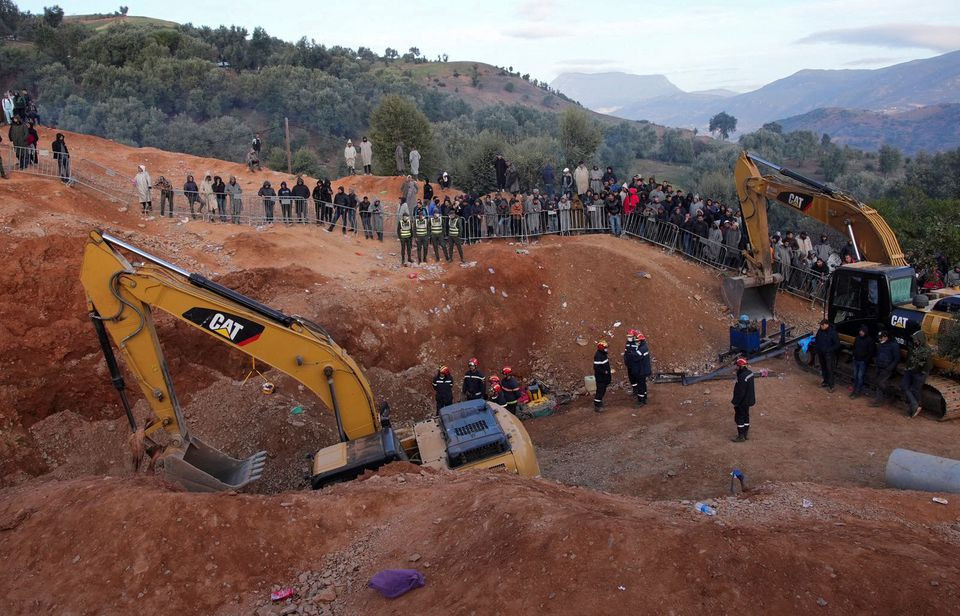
698 44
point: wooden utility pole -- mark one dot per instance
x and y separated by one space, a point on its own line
286 125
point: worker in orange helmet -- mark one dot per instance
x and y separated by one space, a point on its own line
744 397
601 373
473 381
511 389
636 356
443 387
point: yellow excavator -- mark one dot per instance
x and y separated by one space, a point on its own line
121 296
879 290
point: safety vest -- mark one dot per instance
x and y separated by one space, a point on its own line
453 229
421 227
405 231
436 226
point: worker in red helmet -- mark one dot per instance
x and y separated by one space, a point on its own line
601 374
443 387
744 397
473 381
511 389
636 356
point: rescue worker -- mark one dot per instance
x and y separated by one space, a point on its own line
473 381
420 230
919 363
601 373
496 391
454 235
436 236
511 389
887 358
405 233
744 397
636 357
826 343
443 387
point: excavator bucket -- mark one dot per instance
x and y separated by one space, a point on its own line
198 467
754 297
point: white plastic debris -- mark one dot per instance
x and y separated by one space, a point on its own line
806 504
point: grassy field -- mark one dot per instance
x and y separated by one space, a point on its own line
102 22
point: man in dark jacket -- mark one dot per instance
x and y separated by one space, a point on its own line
340 205
826 343
443 387
17 134
549 180
864 348
601 373
500 167
301 194
888 356
744 396
636 357
511 389
62 155
919 364
317 194
473 381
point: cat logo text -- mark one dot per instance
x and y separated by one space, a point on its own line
235 328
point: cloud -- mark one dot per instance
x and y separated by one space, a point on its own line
585 62
873 61
537 31
916 36
537 10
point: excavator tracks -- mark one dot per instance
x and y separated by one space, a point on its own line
940 396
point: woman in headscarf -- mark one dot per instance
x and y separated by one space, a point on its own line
191 192
206 196
220 193
267 193
236 199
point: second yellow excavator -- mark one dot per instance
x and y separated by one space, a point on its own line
121 295
878 291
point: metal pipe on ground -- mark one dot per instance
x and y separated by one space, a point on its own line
912 470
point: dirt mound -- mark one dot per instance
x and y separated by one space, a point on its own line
111 546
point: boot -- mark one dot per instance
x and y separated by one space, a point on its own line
741 437
598 407
746 433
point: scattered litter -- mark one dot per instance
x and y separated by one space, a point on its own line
545 286
392 583
359 254
522 251
807 504
490 269
380 257
469 264
736 476
617 324
705 509
297 410
503 293
643 275
821 602
412 275
493 290
697 297
582 341
621 588
283 593
941 501
414 557
564 304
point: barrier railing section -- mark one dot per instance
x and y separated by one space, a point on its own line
70 169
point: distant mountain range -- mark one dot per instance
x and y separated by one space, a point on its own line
900 87
930 128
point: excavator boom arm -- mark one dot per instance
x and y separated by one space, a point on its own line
873 237
123 295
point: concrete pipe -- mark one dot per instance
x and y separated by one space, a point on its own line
912 470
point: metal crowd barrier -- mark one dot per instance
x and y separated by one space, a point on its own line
252 209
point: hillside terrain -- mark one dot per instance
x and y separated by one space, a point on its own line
931 81
930 128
